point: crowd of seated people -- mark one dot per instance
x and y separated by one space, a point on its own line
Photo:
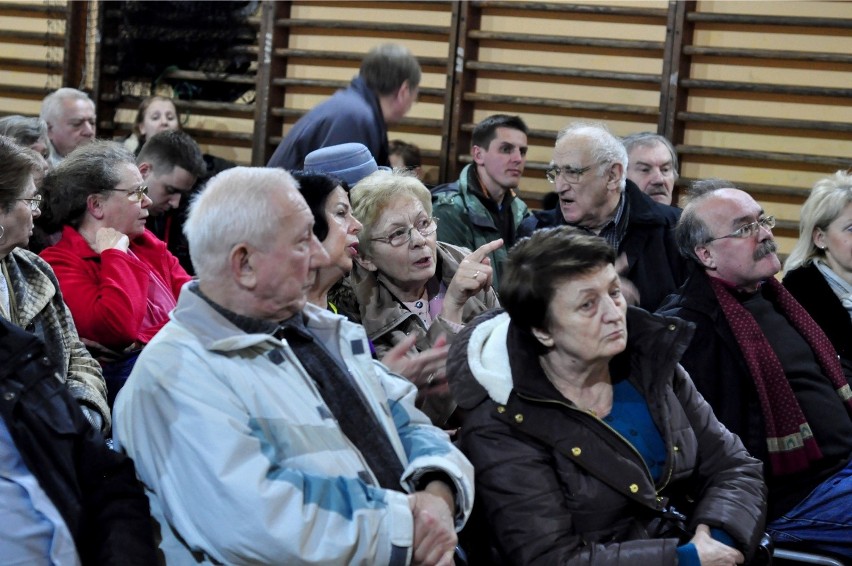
334 384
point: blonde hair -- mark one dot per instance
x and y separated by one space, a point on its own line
829 196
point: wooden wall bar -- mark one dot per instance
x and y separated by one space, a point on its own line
754 92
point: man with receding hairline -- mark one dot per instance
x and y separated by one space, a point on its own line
767 369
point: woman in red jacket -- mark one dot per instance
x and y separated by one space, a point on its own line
118 279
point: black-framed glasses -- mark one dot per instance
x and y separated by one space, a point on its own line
401 236
748 230
568 174
134 195
34 203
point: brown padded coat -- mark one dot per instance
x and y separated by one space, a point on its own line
559 486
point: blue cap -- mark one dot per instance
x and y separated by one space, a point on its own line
350 162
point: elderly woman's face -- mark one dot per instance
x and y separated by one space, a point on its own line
341 242
587 317
18 222
409 266
122 208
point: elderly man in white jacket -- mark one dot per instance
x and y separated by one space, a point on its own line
262 428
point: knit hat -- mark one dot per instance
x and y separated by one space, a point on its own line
350 162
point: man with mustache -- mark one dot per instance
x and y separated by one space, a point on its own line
766 368
653 165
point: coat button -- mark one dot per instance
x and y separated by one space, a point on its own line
672 327
45 360
676 448
634 488
519 418
501 409
576 451
9 395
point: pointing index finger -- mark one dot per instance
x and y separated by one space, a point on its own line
485 249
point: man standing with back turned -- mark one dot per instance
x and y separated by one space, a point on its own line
382 94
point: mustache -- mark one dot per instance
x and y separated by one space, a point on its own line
764 249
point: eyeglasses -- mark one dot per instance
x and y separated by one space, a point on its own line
748 230
34 203
134 195
568 174
401 236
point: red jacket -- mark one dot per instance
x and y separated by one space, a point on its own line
108 293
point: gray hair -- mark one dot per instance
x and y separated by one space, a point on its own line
650 139
16 165
605 148
51 106
233 208
387 66
829 196
90 169
26 130
691 231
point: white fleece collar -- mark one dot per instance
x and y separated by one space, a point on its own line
488 357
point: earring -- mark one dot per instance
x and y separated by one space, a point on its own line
2 231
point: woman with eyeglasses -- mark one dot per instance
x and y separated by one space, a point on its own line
30 295
818 272
406 283
119 280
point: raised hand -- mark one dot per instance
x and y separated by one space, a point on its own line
473 275
110 239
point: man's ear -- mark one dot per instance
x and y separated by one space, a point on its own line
705 256
543 336
95 206
366 263
403 91
614 175
242 270
476 153
145 169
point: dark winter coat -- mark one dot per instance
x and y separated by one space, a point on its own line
559 486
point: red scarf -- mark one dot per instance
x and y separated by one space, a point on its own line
789 439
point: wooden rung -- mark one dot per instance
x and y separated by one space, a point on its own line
753 20
32 10
574 8
767 88
841 58
24 92
765 122
31 65
427 123
562 72
395 28
561 103
776 156
440 62
770 190
622 44
32 38
334 85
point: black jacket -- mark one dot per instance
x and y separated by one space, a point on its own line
558 486
716 364
654 264
94 488
812 291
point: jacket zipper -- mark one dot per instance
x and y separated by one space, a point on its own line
627 442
